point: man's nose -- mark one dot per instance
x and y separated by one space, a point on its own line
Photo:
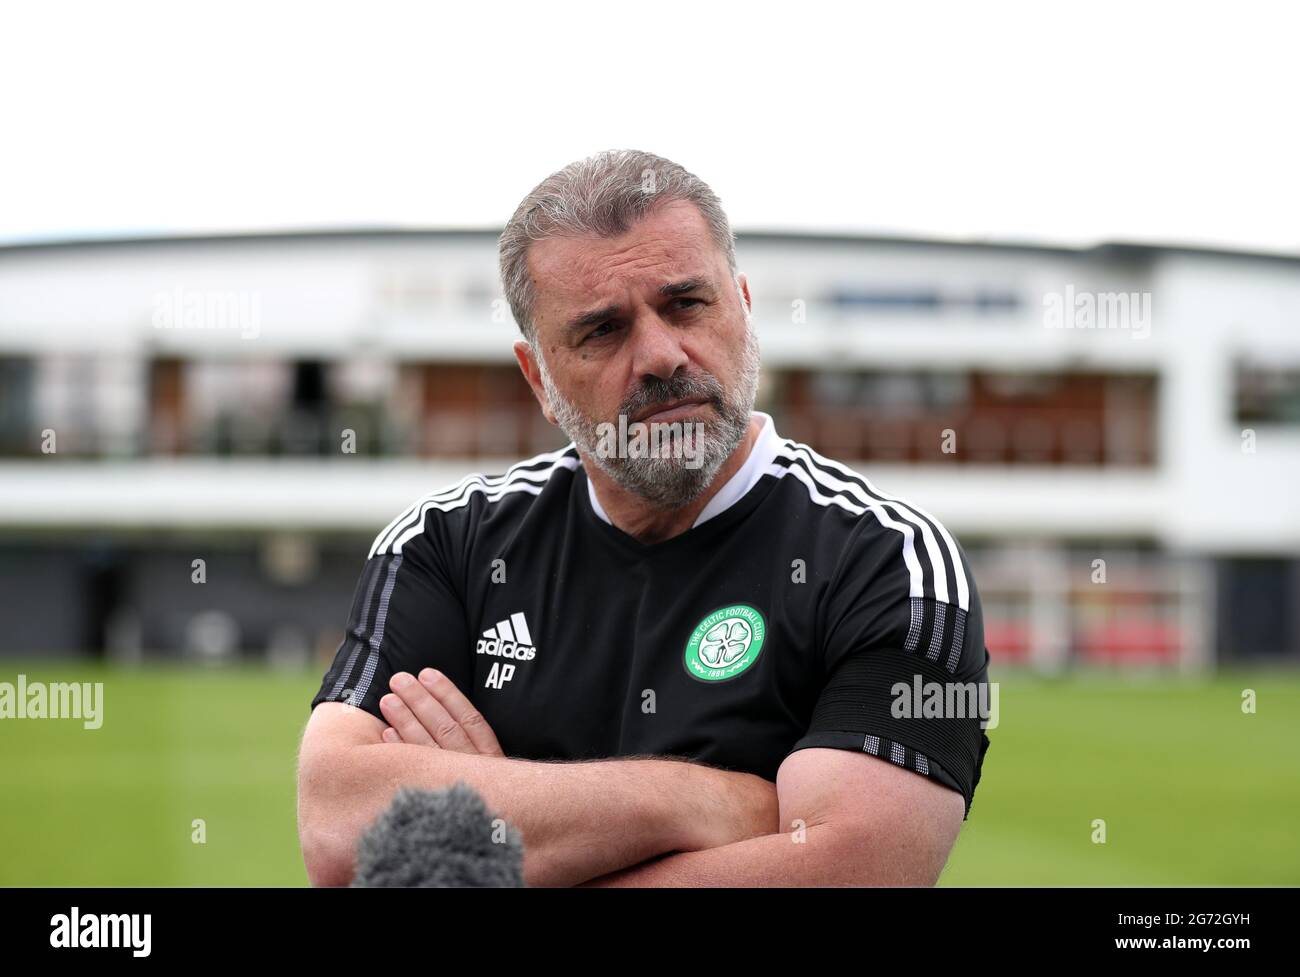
657 348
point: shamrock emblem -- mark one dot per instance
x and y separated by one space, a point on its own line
725 642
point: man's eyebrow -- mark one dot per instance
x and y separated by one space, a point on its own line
596 316
592 318
686 285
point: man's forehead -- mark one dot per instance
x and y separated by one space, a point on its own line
661 249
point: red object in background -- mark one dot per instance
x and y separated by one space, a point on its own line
1007 641
1130 643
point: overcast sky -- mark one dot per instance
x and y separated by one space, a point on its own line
1094 121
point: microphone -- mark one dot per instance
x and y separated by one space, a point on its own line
439 839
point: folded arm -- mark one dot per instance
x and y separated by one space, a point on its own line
847 819
579 820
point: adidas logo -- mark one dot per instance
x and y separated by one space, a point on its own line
509 639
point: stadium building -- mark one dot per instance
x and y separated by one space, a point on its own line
199 437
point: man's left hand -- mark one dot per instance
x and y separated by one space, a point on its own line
431 711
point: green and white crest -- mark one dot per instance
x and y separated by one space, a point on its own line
725 643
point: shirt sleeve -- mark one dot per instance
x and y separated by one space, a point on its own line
407 614
902 649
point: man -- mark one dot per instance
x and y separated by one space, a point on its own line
667 659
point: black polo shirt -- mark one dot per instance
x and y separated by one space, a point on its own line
803 609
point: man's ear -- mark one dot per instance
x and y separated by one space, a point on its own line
527 359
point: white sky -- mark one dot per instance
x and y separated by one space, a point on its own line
1172 123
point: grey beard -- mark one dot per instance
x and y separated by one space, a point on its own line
669 481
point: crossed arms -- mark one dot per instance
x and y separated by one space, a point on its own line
833 817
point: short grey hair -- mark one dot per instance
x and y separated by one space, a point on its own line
602 196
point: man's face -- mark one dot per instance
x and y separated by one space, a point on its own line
649 325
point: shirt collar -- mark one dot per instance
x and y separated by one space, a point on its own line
760 458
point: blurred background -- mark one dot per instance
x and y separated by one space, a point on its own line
208 409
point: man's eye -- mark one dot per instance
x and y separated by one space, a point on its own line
604 329
693 302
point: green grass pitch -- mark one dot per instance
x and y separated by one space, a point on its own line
1192 790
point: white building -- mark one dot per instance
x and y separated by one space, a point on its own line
1135 405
